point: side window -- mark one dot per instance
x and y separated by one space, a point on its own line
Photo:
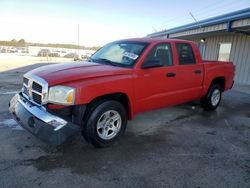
185 54
161 53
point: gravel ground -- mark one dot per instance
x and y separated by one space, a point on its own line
181 146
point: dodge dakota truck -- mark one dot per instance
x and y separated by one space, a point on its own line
120 80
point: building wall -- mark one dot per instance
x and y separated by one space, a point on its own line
240 53
213 28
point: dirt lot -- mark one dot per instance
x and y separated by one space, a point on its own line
181 146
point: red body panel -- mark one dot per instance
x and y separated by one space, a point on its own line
146 89
215 69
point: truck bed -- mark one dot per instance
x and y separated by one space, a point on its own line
223 69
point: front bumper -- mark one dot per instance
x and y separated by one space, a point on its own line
47 127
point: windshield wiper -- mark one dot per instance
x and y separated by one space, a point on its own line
108 61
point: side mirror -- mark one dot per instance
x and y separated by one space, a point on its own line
151 63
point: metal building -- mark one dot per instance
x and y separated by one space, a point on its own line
225 37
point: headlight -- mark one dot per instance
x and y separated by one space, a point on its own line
62 95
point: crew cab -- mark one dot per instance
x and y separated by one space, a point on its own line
120 80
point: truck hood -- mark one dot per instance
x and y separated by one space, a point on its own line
68 72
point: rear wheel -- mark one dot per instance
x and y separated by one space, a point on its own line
212 100
105 124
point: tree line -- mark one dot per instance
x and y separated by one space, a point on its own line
23 43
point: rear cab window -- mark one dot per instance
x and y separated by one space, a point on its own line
185 54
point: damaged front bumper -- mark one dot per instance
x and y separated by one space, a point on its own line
44 125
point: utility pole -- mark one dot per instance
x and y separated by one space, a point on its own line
78 41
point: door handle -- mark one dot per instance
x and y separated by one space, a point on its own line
197 71
170 74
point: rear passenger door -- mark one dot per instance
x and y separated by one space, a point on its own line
189 72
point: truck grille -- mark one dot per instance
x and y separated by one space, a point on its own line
25 80
37 87
37 98
33 90
25 90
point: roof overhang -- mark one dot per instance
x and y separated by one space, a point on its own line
238 21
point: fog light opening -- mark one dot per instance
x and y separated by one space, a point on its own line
31 123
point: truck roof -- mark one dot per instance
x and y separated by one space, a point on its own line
154 40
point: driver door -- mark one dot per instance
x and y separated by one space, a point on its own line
155 86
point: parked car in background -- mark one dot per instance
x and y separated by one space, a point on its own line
54 54
4 50
71 55
62 53
120 80
43 53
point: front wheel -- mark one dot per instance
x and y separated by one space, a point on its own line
212 100
106 123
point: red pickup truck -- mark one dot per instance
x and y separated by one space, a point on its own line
121 79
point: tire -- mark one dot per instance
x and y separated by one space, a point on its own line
105 123
212 99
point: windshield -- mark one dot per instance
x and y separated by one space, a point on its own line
119 53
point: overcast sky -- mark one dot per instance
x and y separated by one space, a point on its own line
100 22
